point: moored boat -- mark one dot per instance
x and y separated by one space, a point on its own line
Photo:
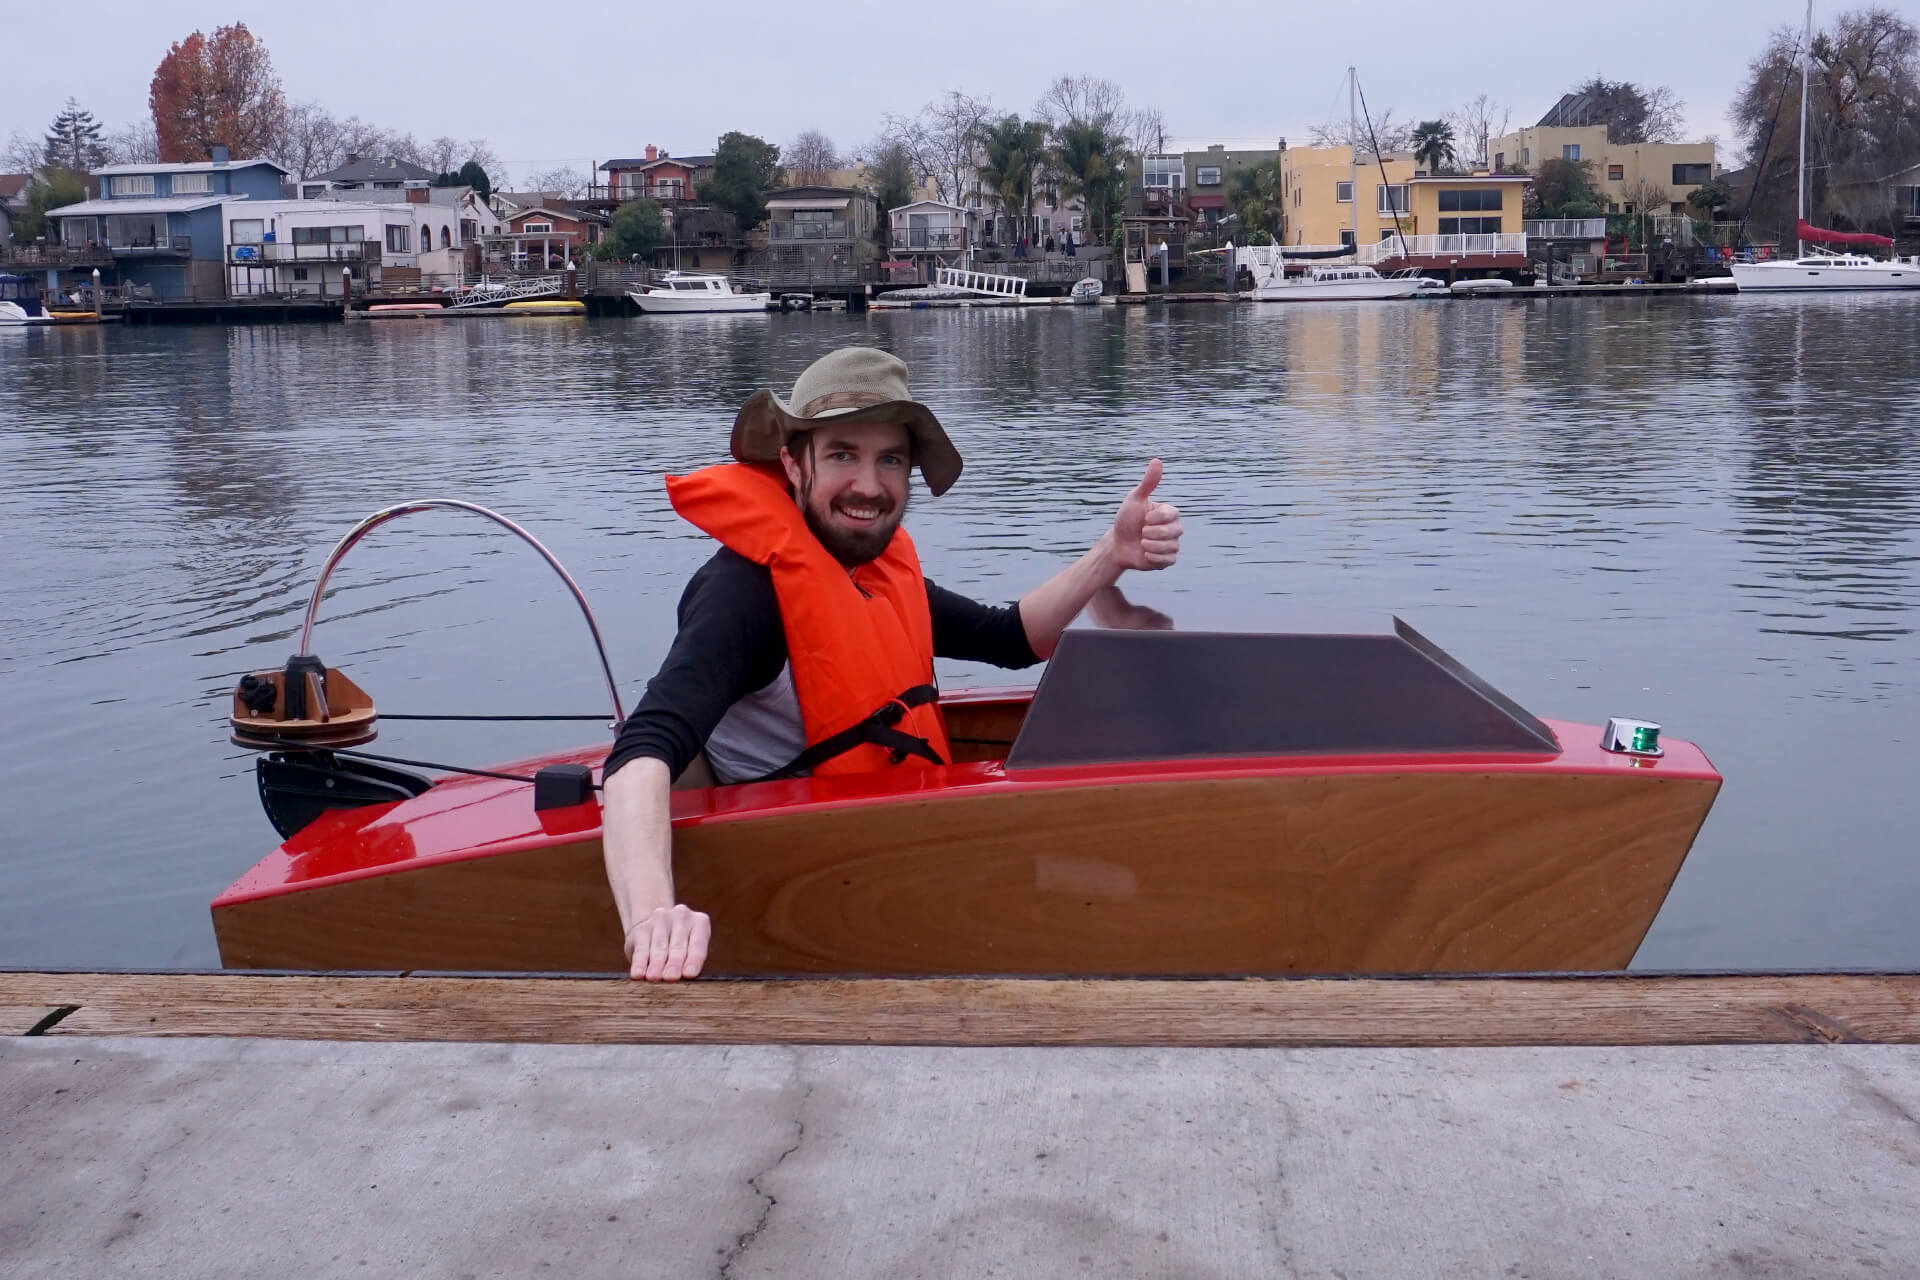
679 292
1162 803
546 307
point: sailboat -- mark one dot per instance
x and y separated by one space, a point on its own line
1822 269
1333 282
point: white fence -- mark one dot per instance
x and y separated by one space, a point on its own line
1476 246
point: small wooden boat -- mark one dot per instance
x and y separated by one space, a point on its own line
1163 803
546 307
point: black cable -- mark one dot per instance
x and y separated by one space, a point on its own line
445 768
391 715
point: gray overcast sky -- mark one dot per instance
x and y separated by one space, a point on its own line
579 80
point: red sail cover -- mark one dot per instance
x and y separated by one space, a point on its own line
1810 232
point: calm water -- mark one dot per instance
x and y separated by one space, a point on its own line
1699 511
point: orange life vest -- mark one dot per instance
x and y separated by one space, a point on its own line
860 641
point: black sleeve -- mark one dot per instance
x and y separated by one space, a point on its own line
975 632
730 644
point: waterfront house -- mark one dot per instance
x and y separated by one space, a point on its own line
1204 174
546 237
360 174
929 234
1629 177
653 176
412 238
1434 222
821 235
157 227
700 238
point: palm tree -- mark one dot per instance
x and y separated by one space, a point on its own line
1256 197
1012 151
1091 161
1433 144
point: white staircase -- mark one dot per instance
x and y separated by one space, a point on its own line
983 282
492 293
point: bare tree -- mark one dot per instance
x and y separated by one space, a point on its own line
944 141
1082 100
135 143
1666 115
310 142
1393 135
21 154
810 158
1475 125
569 184
1645 196
1145 129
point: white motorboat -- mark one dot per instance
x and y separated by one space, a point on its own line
1341 283
1087 290
1425 286
1490 284
12 314
1818 269
684 291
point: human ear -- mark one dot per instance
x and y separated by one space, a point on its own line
791 465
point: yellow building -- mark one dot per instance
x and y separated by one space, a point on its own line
1631 177
1463 221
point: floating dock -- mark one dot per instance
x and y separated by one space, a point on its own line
237 1124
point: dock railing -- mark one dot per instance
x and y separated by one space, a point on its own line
1456 246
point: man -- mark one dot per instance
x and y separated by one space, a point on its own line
806 643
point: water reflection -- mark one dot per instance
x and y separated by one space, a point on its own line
1700 510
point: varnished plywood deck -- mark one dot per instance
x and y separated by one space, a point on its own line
1584 1010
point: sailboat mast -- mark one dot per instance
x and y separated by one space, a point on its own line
1353 151
1806 79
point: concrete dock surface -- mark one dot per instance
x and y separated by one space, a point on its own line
256 1157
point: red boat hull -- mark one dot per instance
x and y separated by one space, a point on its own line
1362 864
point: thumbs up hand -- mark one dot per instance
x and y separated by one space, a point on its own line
1146 534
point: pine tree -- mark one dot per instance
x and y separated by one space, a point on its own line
73 142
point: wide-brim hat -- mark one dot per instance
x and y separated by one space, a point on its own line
851 385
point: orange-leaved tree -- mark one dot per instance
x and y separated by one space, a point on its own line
216 90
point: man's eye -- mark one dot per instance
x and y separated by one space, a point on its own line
892 460
840 455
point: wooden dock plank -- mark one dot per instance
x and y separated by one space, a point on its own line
1451 1012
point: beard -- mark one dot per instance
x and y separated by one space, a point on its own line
852 547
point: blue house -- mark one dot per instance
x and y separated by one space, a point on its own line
161 222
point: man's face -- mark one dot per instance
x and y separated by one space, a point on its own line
851 482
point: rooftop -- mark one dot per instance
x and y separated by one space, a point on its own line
178 204
196 166
376 169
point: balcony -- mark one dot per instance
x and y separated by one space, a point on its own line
154 247
56 255
1567 228
620 193
1502 244
271 253
836 231
936 239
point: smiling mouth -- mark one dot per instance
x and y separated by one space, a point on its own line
859 514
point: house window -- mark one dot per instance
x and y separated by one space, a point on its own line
1469 226
1164 171
1613 207
133 184
313 191
1387 233
1207 176
329 235
813 215
400 239
1676 207
247 230
1692 175
1499 161
1616 173
1390 199
1526 155
536 226
1346 238
1470 200
1342 193
192 184
1570 152
299 273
